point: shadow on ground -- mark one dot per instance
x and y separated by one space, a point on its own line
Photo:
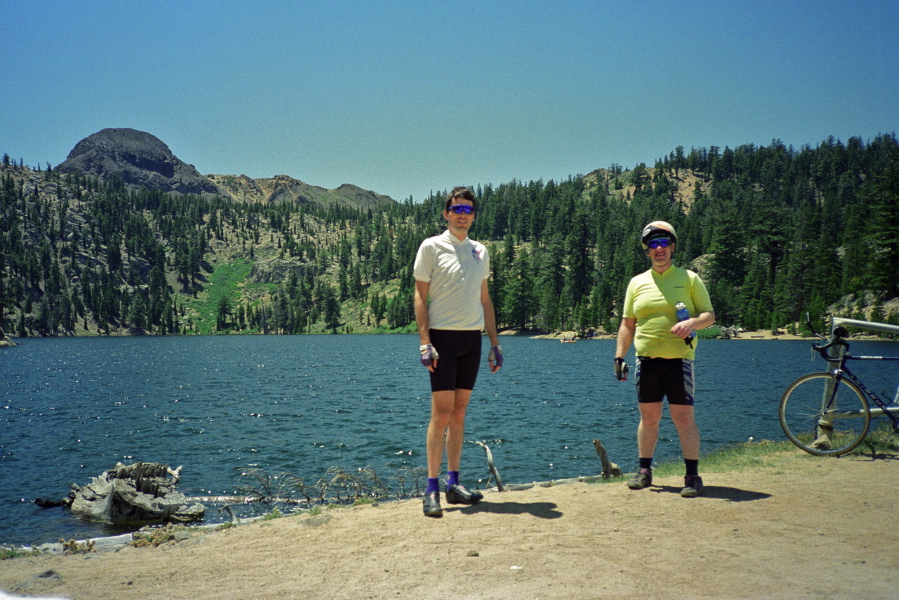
717 491
543 510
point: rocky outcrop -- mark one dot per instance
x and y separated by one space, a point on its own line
5 342
277 270
139 159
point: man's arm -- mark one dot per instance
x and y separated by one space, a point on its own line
704 319
626 333
429 354
489 319
421 311
683 328
489 315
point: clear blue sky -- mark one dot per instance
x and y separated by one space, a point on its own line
408 97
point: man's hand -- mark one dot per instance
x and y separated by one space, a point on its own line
429 356
621 369
495 358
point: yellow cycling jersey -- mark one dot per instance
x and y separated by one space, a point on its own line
650 298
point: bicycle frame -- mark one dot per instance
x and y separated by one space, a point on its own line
840 346
883 408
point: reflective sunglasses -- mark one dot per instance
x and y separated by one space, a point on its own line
659 243
461 209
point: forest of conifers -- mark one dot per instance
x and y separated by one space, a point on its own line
774 231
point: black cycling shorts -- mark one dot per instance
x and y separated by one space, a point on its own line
658 378
460 358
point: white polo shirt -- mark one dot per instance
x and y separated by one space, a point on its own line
454 270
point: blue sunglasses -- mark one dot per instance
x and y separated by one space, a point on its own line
659 243
461 209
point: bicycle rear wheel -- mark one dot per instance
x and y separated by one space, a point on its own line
818 428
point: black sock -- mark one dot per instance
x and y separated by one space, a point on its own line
646 463
692 466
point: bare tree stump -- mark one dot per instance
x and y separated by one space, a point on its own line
609 469
137 493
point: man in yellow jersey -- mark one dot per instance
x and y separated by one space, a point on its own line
665 347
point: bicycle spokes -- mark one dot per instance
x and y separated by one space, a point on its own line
823 420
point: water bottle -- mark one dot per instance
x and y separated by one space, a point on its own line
682 315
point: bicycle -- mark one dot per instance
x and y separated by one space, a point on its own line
828 413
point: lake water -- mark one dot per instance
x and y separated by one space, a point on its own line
71 408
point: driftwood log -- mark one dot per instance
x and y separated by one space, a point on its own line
609 469
134 494
499 482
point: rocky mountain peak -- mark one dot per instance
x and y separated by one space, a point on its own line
139 158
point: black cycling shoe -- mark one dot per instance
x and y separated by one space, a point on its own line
432 505
459 494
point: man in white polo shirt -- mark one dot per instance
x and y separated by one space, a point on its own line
452 270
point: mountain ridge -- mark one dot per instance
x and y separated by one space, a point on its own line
283 188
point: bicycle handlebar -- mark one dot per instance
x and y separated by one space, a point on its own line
838 340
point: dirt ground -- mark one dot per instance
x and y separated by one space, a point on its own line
792 526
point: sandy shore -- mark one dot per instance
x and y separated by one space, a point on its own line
792 526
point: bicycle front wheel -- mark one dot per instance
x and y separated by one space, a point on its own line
823 415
